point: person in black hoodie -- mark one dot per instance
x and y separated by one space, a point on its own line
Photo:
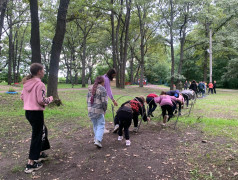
128 111
194 87
214 87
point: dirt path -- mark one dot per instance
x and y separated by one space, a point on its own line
154 154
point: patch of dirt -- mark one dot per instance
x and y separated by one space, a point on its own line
155 153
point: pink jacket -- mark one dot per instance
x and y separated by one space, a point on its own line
165 100
33 95
180 98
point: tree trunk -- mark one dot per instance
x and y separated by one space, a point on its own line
3 11
117 47
131 67
172 44
113 37
206 55
11 49
84 61
56 49
35 32
182 40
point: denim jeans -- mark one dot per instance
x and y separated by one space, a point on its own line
98 127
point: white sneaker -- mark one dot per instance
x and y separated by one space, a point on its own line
128 142
98 144
116 128
120 138
106 131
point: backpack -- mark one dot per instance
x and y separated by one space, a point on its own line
135 105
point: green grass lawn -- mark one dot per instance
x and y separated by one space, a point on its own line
216 114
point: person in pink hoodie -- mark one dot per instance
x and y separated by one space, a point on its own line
35 100
166 103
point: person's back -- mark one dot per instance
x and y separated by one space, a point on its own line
165 100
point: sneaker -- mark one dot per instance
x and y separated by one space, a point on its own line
152 115
175 111
106 131
98 144
120 138
116 128
43 157
166 117
135 129
128 142
30 168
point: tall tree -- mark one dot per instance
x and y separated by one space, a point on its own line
56 49
35 32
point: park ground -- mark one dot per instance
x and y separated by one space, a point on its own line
203 145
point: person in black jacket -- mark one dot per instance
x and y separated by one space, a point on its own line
128 111
194 87
214 87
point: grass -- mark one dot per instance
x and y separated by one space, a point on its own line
215 115
218 112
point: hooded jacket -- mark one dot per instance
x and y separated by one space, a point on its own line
165 100
33 95
99 105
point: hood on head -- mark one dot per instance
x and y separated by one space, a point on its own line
31 83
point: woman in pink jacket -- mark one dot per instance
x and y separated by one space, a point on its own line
165 101
33 96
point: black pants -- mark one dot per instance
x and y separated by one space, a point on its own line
125 119
167 108
186 99
210 89
180 105
152 105
39 140
214 89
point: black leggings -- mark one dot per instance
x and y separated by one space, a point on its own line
166 108
186 99
152 105
124 119
39 140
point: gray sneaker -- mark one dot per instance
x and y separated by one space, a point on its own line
116 128
135 129
98 144
106 131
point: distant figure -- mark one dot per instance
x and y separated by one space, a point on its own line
186 85
194 87
201 88
214 86
97 106
33 96
89 81
210 85
180 86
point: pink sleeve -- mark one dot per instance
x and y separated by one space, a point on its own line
157 99
41 93
173 98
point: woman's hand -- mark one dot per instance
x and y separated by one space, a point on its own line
148 119
114 102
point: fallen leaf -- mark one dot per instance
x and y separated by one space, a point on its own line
35 177
135 155
108 155
149 167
